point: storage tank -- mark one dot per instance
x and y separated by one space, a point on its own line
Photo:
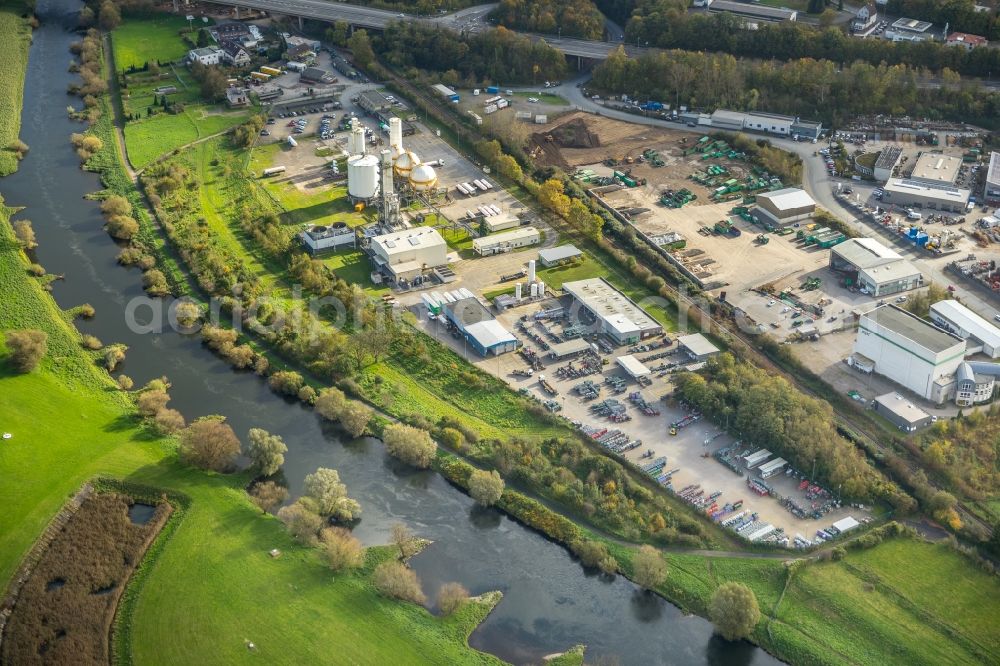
362 177
531 274
517 291
534 289
403 164
356 141
395 132
541 289
423 177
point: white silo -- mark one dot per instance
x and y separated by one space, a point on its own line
517 291
362 177
396 132
531 273
423 177
387 186
541 288
356 141
534 289
405 162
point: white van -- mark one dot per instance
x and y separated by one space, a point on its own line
913 215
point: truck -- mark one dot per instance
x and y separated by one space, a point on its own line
492 90
273 71
652 106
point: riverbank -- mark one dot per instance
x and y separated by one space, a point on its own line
15 33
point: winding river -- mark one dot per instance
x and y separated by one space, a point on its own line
550 602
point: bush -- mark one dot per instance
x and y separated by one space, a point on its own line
266 451
114 355
649 569
155 282
122 227
451 596
393 579
86 311
330 403
355 418
25 234
150 402
268 495
168 421
19 148
594 554
734 611
301 522
486 487
411 445
330 495
125 382
341 549
27 347
285 382
209 443
91 341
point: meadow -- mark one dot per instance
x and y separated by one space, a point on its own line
143 39
15 33
154 137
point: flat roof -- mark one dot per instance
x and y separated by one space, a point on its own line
442 89
772 13
901 407
917 188
574 346
937 168
888 157
632 365
611 305
697 344
505 237
403 241
865 253
911 25
490 333
890 272
729 116
993 174
844 524
788 198
559 253
812 124
466 311
962 317
375 98
770 116
912 327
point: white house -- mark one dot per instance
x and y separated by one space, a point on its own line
866 18
207 55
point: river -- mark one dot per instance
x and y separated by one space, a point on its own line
550 602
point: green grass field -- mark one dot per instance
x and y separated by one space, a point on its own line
139 40
151 138
543 98
69 424
16 36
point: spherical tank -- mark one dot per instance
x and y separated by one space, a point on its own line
422 177
362 176
405 163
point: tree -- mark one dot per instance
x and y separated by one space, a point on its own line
122 227
403 539
155 282
486 487
266 451
330 403
827 18
125 382
168 421
341 549
509 168
337 33
451 596
86 17
286 382
116 205
734 611
394 579
268 495
411 445
551 195
301 522
355 417
25 234
330 495
361 48
150 402
209 443
187 313
26 347
204 39
649 569
109 17
594 554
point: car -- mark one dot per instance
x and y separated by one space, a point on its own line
533 100
996 317
271 121
771 302
265 133
901 299
401 15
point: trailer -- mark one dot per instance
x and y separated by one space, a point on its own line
772 468
260 76
273 71
273 171
760 533
756 458
432 306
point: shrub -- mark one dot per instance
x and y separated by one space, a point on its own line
451 596
114 355
285 382
266 451
404 540
25 234
168 421
155 282
86 311
301 522
307 394
341 549
150 402
268 495
90 341
486 487
594 554
187 313
355 417
125 382
649 569
27 347
734 611
330 495
19 148
330 403
122 227
393 579
36 269
411 445
209 443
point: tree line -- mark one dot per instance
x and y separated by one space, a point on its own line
818 89
571 18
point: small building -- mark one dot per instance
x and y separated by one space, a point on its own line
807 129
886 163
373 101
904 414
846 524
495 223
771 123
235 32
506 242
206 55
865 18
632 366
553 256
785 206
316 75
909 30
873 268
975 383
910 351
756 12
320 238
292 41
300 53
965 40
728 120
979 334
617 315
237 97
404 255
445 91
697 346
481 331
234 54
568 349
992 190
936 169
908 193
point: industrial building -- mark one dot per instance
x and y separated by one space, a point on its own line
506 242
975 383
498 222
807 129
316 75
936 169
697 346
320 238
407 254
728 120
979 334
904 414
907 193
910 351
992 192
772 123
886 163
909 30
481 331
632 366
372 101
756 12
568 349
785 206
445 91
553 256
618 316
873 268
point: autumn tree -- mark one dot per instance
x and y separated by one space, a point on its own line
355 417
168 421
394 579
594 554
25 234
151 401
404 540
266 451
209 443
268 495
301 522
485 487
649 569
341 549
551 195
411 445
109 17
451 596
330 495
26 347
734 611
330 403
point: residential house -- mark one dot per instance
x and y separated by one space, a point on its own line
966 40
234 54
300 53
866 18
207 55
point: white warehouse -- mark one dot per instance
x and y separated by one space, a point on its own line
874 268
979 334
910 351
406 254
506 242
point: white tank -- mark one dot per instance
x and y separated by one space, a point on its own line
534 289
395 132
423 177
541 289
356 141
531 274
386 172
362 176
517 291
405 162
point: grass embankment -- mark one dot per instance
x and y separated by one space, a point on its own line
15 33
144 39
70 424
